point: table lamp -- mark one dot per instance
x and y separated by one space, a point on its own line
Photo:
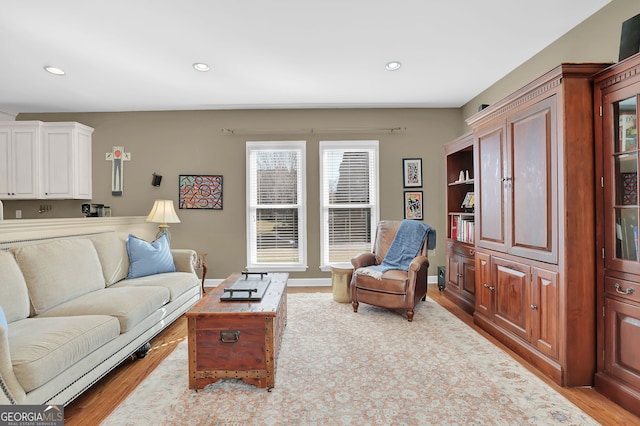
163 213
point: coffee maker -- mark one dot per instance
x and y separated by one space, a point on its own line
93 210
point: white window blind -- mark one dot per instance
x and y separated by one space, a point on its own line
349 199
276 205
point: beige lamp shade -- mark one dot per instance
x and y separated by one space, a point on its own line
163 213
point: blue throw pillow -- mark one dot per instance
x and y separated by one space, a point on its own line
149 258
3 320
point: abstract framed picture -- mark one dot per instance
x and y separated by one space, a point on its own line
469 201
412 172
200 192
413 205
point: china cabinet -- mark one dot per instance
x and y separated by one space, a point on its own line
616 101
535 222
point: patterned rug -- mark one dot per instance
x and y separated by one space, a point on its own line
337 367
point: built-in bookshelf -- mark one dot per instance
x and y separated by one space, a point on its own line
460 190
460 268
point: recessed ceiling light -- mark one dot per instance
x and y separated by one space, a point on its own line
199 66
54 70
393 66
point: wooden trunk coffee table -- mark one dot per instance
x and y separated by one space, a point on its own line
237 339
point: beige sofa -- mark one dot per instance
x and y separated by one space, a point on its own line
72 316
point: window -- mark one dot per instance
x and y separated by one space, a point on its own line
349 199
276 215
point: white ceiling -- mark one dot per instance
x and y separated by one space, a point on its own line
134 55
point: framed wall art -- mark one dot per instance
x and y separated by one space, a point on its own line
412 172
413 205
200 192
469 201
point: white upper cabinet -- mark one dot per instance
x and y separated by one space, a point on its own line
66 161
19 160
45 160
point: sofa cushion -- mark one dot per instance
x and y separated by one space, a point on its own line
176 282
8 378
149 258
129 305
14 296
42 348
58 271
112 252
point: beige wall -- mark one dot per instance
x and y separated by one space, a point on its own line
597 39
192 142
173 143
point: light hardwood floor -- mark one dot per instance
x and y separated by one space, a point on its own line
95 404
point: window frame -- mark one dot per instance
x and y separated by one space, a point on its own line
301 205
347 146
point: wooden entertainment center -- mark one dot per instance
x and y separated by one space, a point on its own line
534 222
554 253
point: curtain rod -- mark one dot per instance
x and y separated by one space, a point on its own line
388 130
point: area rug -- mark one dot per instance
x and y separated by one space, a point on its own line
337 367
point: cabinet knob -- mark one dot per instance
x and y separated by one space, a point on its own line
459 275
534 307
485 285
619 290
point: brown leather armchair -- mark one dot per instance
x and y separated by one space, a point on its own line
395 289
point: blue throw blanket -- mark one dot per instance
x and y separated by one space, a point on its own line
404 248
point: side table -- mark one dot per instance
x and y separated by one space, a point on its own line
340 281
201 263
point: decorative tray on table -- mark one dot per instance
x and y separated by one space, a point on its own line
250 287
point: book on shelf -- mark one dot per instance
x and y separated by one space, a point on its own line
463 228
633 242
454 227
627 234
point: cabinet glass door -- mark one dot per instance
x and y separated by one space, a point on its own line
625 169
